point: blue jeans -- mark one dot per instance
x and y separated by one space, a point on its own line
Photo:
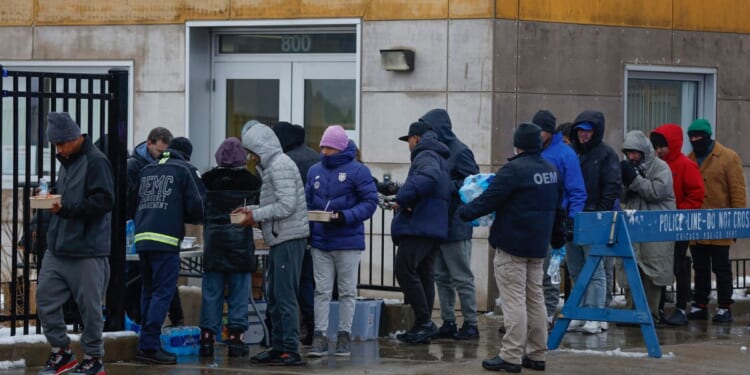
213 300
595 294
160 271
453 275
284 268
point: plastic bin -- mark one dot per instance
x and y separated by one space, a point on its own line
366 322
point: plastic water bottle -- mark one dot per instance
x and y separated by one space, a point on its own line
129 237
43 187
554 267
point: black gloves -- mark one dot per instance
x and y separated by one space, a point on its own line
387 187
569 226
338 218
559 232
628 172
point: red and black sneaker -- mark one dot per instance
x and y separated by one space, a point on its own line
59 362
90 366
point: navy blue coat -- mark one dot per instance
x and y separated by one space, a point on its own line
461 164
340 183
525 195
425 196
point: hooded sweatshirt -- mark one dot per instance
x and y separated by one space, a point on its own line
651 190
292 139
689 190
461 164
600 165
283 209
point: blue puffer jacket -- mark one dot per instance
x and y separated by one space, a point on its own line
564 158
461 164
167 197
342 184
524 195
424 197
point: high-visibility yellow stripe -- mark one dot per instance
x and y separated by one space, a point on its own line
157 237
164 157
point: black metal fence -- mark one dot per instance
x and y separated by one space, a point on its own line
98 103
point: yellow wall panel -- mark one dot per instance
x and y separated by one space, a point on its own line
259 9
16 13
471 8
406 9
507 9
637 13
715 15
333 8
96 12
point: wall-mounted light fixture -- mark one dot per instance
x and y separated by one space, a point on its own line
398 60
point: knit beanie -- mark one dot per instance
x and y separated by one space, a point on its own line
545 120
658 140
700 125
527 137
334 137
182 145
61 128
231 153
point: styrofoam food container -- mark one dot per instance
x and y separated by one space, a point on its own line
324 216
44 202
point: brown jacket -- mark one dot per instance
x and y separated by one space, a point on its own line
725 182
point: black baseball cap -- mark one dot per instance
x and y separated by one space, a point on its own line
416 128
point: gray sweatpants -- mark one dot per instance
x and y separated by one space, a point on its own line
85 279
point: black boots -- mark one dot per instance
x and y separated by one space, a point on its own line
235 345
207 343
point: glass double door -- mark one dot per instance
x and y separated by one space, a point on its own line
311 94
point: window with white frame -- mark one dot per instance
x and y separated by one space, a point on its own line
656 95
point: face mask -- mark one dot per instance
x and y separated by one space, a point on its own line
700 146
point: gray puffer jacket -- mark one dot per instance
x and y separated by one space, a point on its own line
283 208
651 190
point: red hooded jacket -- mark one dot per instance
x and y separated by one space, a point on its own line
689 190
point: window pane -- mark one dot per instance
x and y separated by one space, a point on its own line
289 43
654 102
251 99
328 102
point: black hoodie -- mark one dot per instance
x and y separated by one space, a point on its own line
292 139
600 165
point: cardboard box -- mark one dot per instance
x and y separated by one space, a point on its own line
366 322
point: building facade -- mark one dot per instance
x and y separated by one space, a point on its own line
203 68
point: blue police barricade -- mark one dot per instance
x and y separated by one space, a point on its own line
611 234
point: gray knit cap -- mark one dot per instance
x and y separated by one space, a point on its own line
61 128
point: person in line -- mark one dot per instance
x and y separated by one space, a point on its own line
689 193
292 138
721 169
168 196
344 186
526 196
147 152
420 225
559 154
453 262
76 263
648 187
228 249
282 216
600 167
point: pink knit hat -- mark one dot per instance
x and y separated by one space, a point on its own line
335 137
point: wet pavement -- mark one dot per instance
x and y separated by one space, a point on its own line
699 348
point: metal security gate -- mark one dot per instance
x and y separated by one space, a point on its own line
98 103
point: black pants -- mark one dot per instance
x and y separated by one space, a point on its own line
415 260
681 274
708 258
306 296
133 297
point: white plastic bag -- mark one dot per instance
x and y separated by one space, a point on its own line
473 187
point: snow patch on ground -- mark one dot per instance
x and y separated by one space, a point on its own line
614 353
7 339
7 365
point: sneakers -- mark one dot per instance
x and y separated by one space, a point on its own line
532 364
697 313
158 357
447 331
468 331
59 362
498 364
207 343
287 359
235 345
343 344
90 366
722 315
604 326
678 318
591 327
419 334
265 357
319 346
575 325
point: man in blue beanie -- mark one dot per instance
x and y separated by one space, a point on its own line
77 260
